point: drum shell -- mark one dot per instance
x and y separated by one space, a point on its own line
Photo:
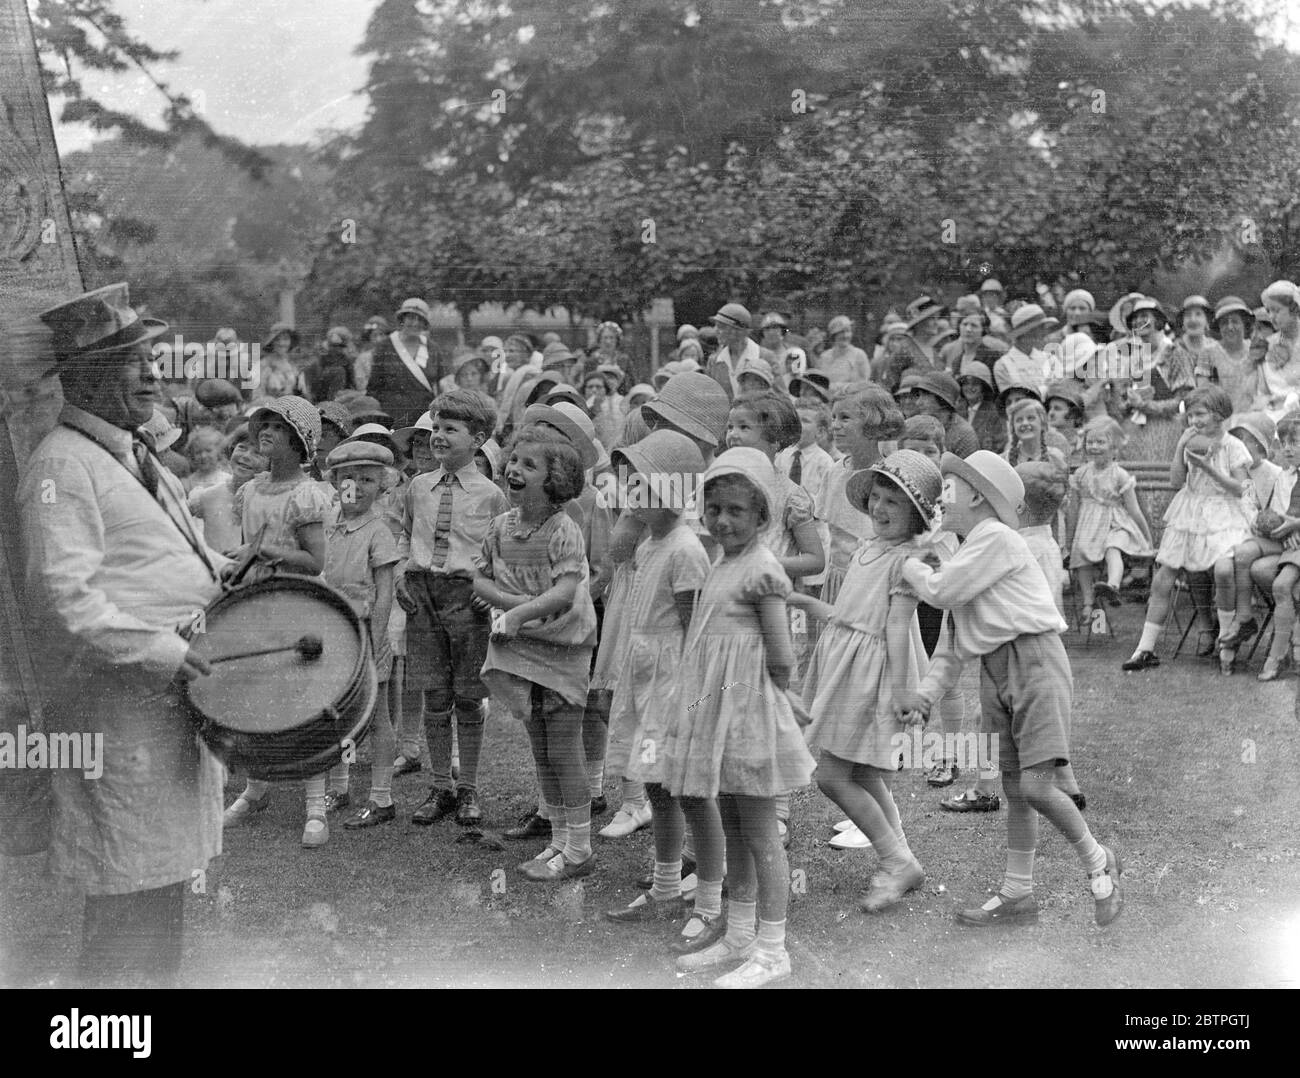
319 742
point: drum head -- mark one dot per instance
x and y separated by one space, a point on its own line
269 693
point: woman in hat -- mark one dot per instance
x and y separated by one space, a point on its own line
374 331
605 403
1192 324
1233 371
969 347
1161 379
333 369
843 362
1079 307
982 413
1277 385
609 346
281 375
902 354
404 372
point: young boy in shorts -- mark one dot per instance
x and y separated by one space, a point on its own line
445 516
1002 612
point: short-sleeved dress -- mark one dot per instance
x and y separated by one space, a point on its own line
734 730
848 690
646 692
848 528
553 652
1204 522
1103 521
281 508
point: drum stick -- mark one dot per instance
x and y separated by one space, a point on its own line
308 647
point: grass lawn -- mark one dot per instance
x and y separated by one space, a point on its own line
1187 774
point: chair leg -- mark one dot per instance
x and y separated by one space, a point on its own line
1265 628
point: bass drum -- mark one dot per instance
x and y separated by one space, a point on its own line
281 715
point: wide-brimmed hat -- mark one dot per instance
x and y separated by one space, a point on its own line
944 336
1233 305
577 430
556 354
817 381
540 386
891 325
1146 303
614 376
1119 312
462 359
838 324
215 392
992 285
405 436
359 451
98 322
165 434
415 306
992 477
1194 301
369 410
665 372
759 370
921 309
275 331
695 404
300 414
914 473
1076 352
753 465
333 413
567 394
1263 318
973 368
687 353
734 315
664 453
1024 387
1281 290
1080 294
773 318
378 434
1260 425
1030 316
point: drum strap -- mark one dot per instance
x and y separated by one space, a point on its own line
187 531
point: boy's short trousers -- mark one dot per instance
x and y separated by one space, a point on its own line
1026 689
446 637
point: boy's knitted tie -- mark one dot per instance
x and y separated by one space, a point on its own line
442 525
796 466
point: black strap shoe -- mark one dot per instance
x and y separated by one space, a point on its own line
530 825
371 816
438 804
1142 660
467 811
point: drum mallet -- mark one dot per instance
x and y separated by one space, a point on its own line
308 647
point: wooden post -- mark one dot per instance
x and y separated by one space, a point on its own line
38 268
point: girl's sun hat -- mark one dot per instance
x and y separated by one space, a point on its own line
639 394
759 371
664 453
973 368
815 381
568 395
751 464
1259 425
914 473
1233 305
1194 302
992 477
1146 303
1119 313
577 429
1066 392
376 434
695 404
404 436
1285 291
540 386
940 384
300 414
1075 355
415 306
634 429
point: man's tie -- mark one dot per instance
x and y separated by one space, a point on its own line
1293 506
145 462
442 525
796 466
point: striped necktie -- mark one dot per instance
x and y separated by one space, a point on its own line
796 466
442 525
145 462
1293 507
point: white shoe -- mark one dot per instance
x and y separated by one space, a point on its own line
242 808
851 839
316 833
720 954
627 820
844 825
689 884
761 969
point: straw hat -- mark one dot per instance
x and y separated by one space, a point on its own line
753 465
638 394
759 371
693 403
1281 290
368 409
774 318
838 324
1119 313
664 453
567 394
1030 316
1194 301
377 434
817 381
920 310
613 375
687 332
300 414
1259 425
1066 391
556 355
992 477
1076 352
577 429
336 416
460 360
915 473
1147 303
979 371
940 384
733 315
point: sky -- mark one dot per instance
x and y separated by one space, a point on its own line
277 71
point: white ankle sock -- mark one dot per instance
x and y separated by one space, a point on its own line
1225 621
1150 635
742 918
